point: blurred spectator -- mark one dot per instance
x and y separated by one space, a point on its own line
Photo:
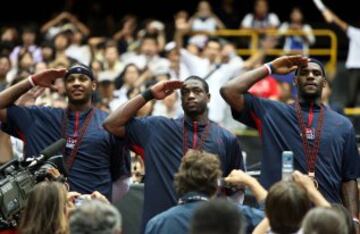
137 168
9 37
47 52
204 19
112 65
218 217
78 49
169 107
229 14
28 37
177 70
297 44
353 57
260 19
95 217
45 210
5 66
154 28
61 23
125 37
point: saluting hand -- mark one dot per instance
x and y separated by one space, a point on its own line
287 64
165 88
47 78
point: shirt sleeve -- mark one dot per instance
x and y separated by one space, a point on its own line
19 121
274 20
138 130
252 112
353 33
351 160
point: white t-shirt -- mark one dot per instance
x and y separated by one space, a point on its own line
208 24
353 58
297 42
271 20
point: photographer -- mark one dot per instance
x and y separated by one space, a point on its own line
95 159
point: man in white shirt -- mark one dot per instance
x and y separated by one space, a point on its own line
353 56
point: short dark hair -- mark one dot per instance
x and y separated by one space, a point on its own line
313 60
213 39
150 36
199 172
204 83
283 197
218 216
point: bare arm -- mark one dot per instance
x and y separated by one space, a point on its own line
53 22
233 91
330 17
78 24
116 121
238 177
11 94
350 197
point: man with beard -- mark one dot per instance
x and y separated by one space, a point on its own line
94 158
163 141
322 140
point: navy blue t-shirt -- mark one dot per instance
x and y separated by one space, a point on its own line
101 158
161 140
337 161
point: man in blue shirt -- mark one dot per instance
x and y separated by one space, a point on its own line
196 182
163 141
323 141
94 158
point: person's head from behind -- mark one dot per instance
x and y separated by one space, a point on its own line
261 8
217 217
45 210
95 217
199 172
324 220
195 96
79 84
212 49
285 206
310 80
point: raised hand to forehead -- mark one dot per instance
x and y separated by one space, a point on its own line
287 64
165 88
46 78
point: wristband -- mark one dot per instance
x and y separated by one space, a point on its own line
147 95
269 67
31 81
356 220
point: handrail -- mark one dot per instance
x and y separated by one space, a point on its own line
254 39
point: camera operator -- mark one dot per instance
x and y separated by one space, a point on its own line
94 157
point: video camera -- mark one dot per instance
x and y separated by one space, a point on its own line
17 178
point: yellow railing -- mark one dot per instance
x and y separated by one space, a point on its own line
254 41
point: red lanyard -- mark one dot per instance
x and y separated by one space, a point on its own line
195 141
73 153
311 152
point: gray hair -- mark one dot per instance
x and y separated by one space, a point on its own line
95 217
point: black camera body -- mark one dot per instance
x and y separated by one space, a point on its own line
17 179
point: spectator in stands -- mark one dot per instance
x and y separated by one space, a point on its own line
45 210
28 37
218 217
228 13
283 127
297 44
95 217
324 220
78 49
137 169
168 107
60 23
353 57
8 40
195 182
47 52
177 70
96 159
112 65
163 141
204 19
260 19
5 66
125 37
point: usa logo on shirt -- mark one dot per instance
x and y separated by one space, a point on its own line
310 133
